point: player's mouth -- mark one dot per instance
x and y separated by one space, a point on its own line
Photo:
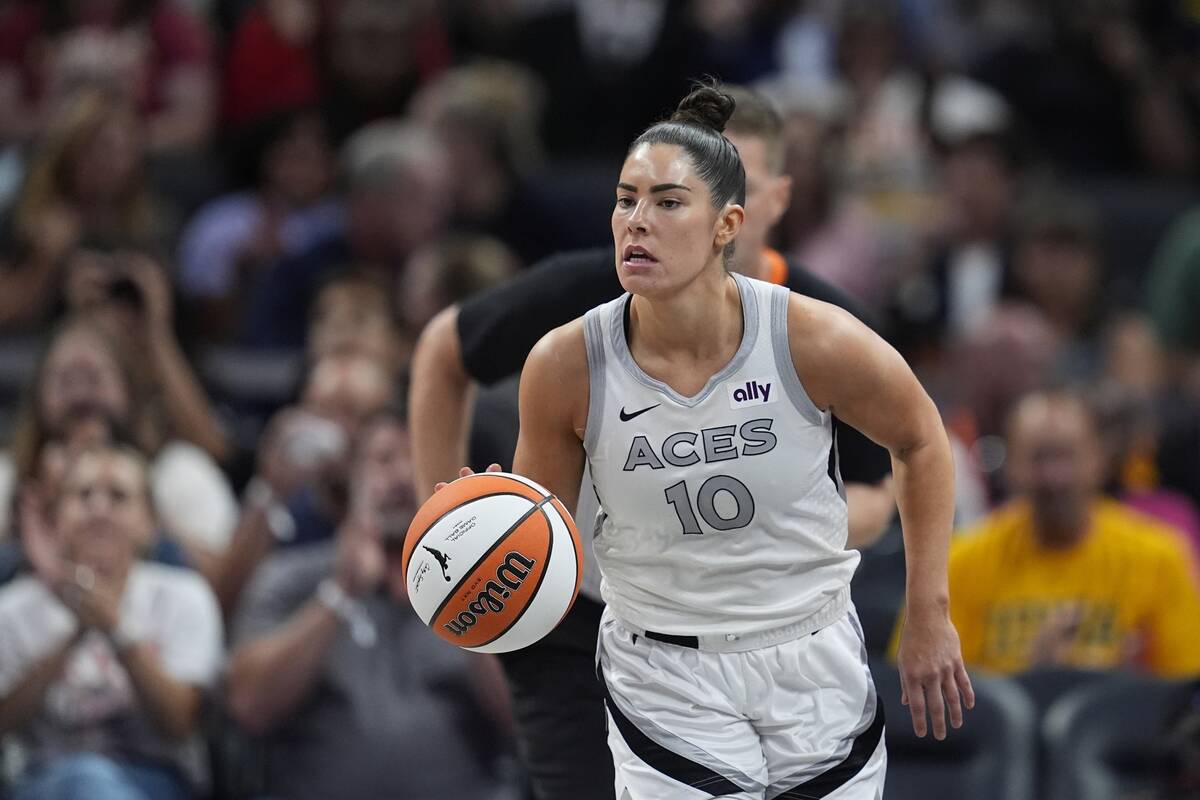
636 256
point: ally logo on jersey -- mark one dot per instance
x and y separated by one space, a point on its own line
754 392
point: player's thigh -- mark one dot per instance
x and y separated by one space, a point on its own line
674 724
821 722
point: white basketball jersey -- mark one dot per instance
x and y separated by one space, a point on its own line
722 513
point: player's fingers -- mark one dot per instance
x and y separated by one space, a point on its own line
953 702
465 471
937 709
964 684
493 467
916 707
437 487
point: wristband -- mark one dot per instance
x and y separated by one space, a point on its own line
261 497
362 630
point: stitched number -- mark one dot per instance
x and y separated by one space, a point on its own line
706 501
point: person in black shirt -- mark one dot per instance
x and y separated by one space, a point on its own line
556 698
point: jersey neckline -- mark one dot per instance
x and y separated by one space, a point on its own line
750 326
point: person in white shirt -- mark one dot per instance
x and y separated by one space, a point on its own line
82 380
104 658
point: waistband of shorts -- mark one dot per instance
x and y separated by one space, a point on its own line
831 612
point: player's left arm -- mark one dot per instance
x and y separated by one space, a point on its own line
850 371
553 404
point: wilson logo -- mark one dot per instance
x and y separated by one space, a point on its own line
509 577
751 393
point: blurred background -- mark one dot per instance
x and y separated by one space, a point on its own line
224 224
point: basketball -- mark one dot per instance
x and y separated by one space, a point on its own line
492 562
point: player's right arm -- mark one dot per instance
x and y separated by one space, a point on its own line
440 401
554 405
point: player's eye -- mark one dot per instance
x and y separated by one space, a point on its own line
670 203
624 202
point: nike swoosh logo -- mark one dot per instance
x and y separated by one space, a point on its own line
626 417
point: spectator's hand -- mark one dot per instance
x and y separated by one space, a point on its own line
295 451
87 283
151 282
54 232
96 604
1052 644
464 472
360 562
39 540
932 675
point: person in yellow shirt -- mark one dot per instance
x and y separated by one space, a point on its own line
1061 576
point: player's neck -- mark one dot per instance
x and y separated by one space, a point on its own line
752 262
699 321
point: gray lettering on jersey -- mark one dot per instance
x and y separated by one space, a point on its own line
673 458
718 443
706 501
641 454
758 436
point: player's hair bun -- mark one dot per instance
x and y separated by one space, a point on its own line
706 106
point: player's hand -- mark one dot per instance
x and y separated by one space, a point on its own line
464 472
932 676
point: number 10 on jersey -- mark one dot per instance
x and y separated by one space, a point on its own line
706 502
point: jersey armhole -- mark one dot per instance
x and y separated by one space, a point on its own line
593 334
783 358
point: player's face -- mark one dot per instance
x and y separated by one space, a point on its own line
665 228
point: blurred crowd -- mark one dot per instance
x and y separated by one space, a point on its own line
225 223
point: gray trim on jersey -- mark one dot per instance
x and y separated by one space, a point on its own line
593 336
616 329
783 358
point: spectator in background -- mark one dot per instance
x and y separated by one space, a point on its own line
449 271
154 52
299 491
87 179
1063 577
1057 265
835 235
488 116
397 177
1108 108
353 695
286 208
377 54
104 658
272 64
356 315
1173 295
968 269
608 66
85 380
127 294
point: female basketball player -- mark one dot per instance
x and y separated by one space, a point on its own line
731 656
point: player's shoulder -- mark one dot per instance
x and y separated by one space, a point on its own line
563 349
819 329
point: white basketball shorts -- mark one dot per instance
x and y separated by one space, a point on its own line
794 721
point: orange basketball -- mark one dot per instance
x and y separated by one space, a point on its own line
493 562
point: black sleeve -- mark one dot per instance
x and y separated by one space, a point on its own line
499 327
860 460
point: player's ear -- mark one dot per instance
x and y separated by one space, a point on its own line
729 223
